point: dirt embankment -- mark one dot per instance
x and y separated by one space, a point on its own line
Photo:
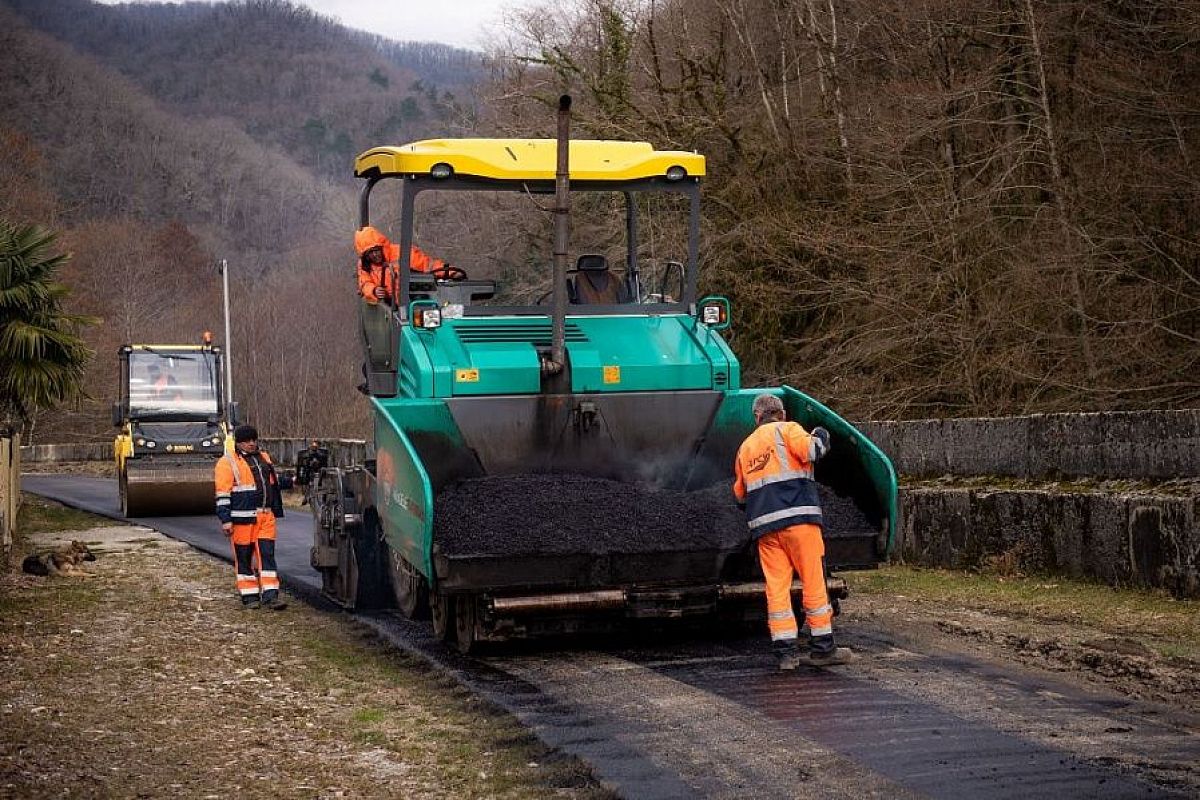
1145 645
144 678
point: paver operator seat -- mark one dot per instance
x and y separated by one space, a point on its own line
594 284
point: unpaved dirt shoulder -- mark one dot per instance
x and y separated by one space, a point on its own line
1091 691
1081 653
145 678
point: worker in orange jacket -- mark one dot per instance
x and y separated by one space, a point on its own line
248 502
379 259
774 481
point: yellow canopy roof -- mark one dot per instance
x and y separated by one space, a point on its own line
529 159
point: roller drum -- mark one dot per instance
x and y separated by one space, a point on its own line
169 487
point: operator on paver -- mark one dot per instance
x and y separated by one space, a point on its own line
248 502
774 481
378 258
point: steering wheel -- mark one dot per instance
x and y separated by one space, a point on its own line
449 272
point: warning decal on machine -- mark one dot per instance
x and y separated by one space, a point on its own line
466 376
612 374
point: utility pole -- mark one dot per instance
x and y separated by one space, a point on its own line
224 270
562 209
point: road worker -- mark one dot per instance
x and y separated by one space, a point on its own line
378 262
248 502
163 387
774 481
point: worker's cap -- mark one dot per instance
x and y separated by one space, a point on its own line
245 433
767 404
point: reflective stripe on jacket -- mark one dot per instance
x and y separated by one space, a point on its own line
774 477
239 496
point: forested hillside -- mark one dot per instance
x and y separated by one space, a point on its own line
953 207
148 200
919 209
288 76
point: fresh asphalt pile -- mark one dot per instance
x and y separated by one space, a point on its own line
546 514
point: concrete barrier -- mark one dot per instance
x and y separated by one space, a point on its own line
283 451
1128 444
50 453
1147 540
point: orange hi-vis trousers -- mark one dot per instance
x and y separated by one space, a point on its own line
798 549
254 557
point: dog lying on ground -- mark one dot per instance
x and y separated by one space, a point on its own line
62 560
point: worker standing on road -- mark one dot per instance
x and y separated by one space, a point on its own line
248 502
377 260
774 480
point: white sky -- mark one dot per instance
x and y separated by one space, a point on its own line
464 23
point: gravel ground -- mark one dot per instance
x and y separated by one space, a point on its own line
540 514
144 678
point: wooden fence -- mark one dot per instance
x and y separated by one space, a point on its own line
10 494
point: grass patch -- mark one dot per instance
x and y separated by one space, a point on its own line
369 716
39 515
62 594
1141 614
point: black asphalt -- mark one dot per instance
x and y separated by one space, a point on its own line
920 748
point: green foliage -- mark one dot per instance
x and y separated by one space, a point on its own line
39 515
42 357
410 109
378 78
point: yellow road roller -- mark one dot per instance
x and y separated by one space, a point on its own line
174 422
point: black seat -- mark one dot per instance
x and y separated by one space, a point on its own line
595 284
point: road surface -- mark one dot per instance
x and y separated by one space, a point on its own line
695 716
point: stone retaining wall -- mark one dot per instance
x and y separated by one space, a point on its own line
1148 540
1133 444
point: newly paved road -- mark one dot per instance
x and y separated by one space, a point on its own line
708 716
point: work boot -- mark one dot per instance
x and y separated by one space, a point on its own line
249 602
274 601
787 653
839 655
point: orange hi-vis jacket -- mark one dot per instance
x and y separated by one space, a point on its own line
774 477
371 276
239 495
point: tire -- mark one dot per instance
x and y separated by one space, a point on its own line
466 609
409 586
371 590
441 609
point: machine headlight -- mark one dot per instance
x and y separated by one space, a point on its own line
676 173
714 312
441 170
427 318
151 444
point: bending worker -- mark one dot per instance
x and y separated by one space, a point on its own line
248 502
378 258
774 480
